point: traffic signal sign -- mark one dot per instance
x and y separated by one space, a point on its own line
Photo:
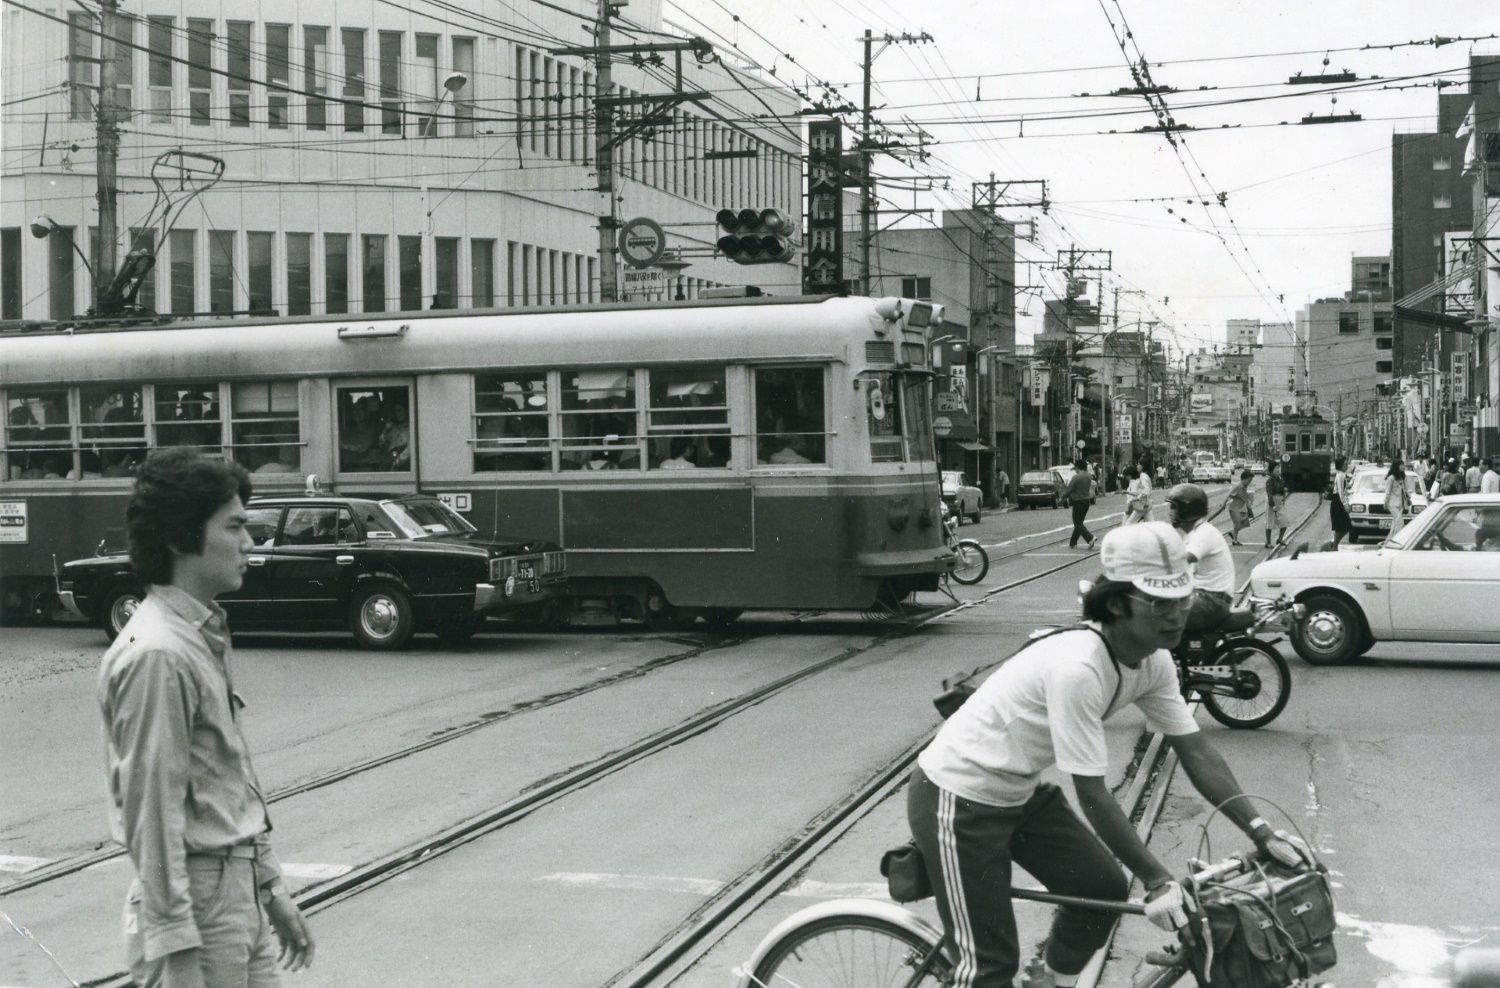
756 236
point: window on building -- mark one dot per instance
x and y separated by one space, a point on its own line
238 64
188 414
1383 324
260 251
390 82
278 74
482 273
463 97
38 434
336 271
1442 163
687 421
599 429
372 250
298 274
1441 200
1383 342
512 249
917 288
1348 323
125 65
523 120
426 85
200 77
790 419
353 40
511 415
159 68
445 256
315 75
182 271
112 439
409 262
374 429
10 273
264 428
145 240
81 64
62 260
1382 366
221 271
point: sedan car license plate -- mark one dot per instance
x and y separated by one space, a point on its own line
1382 523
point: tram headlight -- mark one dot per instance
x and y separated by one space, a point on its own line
898 513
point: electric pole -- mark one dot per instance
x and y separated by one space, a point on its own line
867 148
108 140
604 157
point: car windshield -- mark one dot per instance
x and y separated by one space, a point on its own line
1374 480
419 516
951 480
1036 477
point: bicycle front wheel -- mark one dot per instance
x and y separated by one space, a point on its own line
852 952
1262 685
973 562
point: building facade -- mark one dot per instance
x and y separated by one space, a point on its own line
374 158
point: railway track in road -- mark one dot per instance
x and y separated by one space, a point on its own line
1144 792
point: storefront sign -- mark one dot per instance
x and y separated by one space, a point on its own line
823 251
1125 430
1201 404
1039 380
13 521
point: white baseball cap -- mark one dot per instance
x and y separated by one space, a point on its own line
1149 554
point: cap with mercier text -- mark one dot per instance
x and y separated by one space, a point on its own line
1150 555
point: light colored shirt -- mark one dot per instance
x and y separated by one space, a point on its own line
1490 482
1213 568
1046 706
180 779
1471 479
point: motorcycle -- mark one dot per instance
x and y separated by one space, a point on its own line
972 562
1242 680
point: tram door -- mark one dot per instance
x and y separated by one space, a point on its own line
374 428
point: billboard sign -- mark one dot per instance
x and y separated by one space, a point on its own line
1201 404
823 250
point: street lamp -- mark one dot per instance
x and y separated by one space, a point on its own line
452 84
44 226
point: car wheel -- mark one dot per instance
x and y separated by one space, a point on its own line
118 605
978 513
1353 537
1331 633
381 617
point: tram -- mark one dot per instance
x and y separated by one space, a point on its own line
1305 441
694 458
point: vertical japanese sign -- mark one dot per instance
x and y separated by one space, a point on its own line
1039 380
823 252
1460 384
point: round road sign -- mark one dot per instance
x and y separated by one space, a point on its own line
941 426
642 242
1080 444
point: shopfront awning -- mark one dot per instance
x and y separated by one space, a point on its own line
975 447
1439 319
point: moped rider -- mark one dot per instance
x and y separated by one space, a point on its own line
1208 552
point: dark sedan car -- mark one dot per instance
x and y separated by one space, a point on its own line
1038 487
384 569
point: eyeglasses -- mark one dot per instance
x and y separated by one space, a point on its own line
1165 607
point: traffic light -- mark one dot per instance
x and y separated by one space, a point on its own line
757 237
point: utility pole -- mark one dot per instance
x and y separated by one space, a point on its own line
604 157
108 139
867 147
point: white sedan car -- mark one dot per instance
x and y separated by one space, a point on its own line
1436 580
1367 513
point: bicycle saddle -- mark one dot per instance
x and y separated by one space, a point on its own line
1239 619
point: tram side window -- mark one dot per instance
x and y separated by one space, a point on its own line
374 429
599 420
113 431
188 415
688 418
511 412
917 411
38 436
789 423
883 417
264 426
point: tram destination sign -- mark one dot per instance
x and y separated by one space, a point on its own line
642 242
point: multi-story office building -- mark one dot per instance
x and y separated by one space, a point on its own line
375 157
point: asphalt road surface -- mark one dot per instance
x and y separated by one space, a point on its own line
1386 765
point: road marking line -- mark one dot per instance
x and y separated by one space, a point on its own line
838 890
20 864
317 872
633 883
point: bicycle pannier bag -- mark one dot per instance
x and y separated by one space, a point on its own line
905 873
1269 931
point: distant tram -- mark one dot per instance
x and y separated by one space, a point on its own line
694 458
1305 442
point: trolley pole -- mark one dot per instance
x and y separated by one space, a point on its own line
609 220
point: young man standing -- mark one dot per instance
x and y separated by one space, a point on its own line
976 802
1275 499
1489 480
1472 475
184 799
1080 494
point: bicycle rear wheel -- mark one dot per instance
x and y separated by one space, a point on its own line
851 952
1262 686
973 562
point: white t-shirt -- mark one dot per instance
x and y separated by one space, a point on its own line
1045 706
1214 569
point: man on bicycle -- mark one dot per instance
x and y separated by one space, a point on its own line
976 800
1208 553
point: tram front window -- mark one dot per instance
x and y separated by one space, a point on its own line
599 420
265 426
688 419
883 418
188 415
374 429
511 414
114 431
37 434
790 427
917 412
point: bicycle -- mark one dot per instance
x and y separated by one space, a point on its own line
971 561
865 943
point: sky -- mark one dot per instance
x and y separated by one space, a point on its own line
1300 201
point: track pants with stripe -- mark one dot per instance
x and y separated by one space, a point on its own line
969 848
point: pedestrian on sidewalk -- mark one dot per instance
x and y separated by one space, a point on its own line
1275 500
1472 474
1002 486
1397 499
1489 480
1338 501
1080 495
184 799
1137 495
